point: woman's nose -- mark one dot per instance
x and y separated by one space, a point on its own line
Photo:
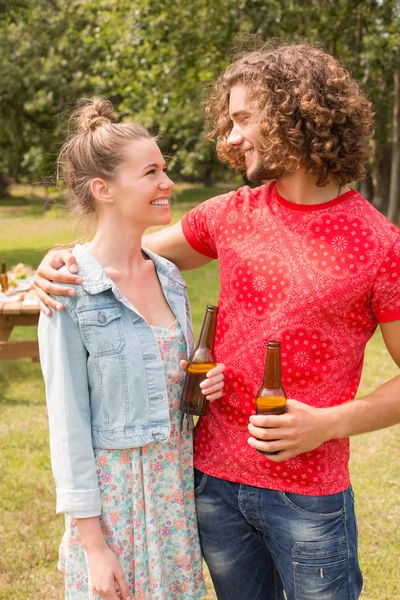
166 184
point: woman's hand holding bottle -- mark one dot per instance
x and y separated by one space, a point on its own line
213 385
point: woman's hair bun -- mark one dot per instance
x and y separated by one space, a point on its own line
92 114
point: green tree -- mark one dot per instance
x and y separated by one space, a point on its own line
154 62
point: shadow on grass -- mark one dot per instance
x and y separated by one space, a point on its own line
29 205
194 194
19 402
29 256
7 200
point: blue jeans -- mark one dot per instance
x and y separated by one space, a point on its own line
259 542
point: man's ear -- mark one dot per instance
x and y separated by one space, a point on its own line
100 190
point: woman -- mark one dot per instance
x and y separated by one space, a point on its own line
122 461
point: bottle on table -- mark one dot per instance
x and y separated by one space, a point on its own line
200 361
271 397
3 277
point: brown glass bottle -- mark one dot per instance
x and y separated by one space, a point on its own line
201 360
3 277
271 397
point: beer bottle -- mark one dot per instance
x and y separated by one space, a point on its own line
3 277
271 397
200 361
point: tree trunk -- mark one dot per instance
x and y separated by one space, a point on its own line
208 176
381 165
393 207
5 182
366 185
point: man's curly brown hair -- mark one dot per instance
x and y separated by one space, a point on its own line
312 113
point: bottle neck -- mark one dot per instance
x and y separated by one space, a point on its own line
207 333
273 373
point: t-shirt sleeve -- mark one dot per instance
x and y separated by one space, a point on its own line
201 225
386 290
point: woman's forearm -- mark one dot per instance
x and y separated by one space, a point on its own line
90 533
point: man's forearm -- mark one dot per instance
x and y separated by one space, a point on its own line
375 411
171 243
303 427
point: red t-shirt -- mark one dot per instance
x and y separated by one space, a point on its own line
317 277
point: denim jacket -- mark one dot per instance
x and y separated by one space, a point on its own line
105 384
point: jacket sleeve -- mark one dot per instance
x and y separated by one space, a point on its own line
63 358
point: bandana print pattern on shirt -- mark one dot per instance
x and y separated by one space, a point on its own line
317 277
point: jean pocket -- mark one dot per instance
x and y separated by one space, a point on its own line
101 329
315 507
200 480
320 569
320 550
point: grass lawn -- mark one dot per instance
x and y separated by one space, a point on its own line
29 529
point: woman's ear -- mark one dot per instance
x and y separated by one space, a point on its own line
100 190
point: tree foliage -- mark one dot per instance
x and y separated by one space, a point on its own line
154 60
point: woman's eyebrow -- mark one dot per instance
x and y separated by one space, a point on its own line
153 165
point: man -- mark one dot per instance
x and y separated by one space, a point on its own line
308 261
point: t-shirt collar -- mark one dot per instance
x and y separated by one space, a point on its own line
312 207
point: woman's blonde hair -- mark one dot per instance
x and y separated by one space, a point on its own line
94 148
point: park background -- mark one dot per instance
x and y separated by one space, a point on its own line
154 61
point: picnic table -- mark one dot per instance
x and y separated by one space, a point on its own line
14 313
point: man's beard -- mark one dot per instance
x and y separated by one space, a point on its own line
261 172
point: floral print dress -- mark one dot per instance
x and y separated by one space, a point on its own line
148 511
